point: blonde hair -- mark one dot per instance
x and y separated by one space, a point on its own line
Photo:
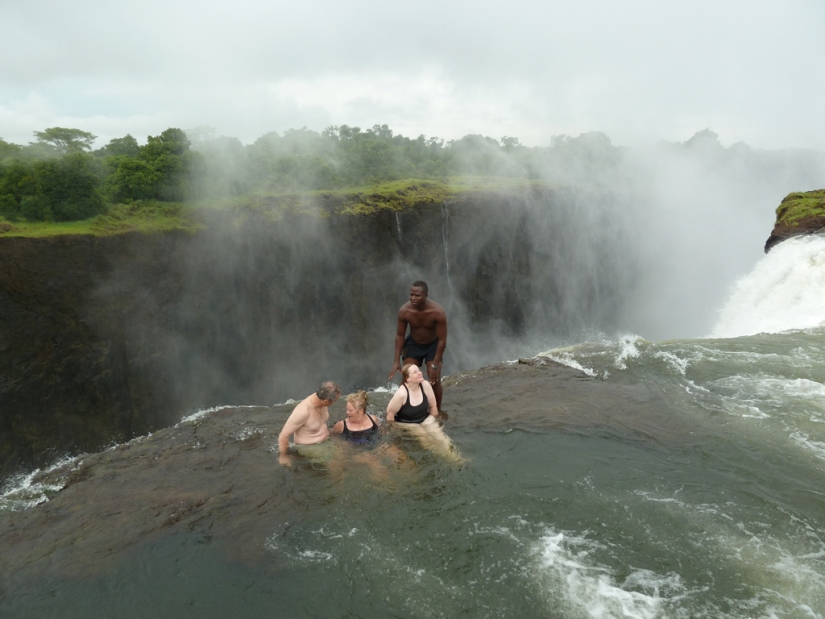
360 399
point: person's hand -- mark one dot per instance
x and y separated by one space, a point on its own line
395 368
285 460
434 372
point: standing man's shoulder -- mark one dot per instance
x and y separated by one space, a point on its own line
436 309
405 310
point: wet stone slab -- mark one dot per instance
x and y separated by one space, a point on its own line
217 476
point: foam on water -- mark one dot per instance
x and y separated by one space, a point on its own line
24 491
778 390
597 358
589 588
785 290
674 361
814 446
781 561
627 350
193 417
568 356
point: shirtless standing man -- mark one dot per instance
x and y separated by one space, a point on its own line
308 420
427 339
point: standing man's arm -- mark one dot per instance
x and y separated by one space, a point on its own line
296 421
434 366
431 399
400 335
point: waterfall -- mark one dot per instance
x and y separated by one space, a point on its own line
785 290
398 228
445 233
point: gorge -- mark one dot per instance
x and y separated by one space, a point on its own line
106 338
608 476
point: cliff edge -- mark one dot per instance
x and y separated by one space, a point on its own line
799 213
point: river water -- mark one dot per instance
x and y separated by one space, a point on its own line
683 478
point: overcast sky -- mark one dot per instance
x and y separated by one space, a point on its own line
637 70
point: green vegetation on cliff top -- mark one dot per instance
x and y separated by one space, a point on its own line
801 205
121 187
151 217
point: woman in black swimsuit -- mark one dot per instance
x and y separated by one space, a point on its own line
414 402
413 408
359 427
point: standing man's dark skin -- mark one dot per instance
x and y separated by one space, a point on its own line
427 340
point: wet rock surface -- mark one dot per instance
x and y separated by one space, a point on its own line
216 476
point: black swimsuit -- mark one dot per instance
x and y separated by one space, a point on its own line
360 437
413 414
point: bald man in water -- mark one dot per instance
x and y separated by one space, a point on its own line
308 421
427 340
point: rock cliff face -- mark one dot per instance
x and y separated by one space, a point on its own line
103 339
799 213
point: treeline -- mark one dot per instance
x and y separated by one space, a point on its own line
59 177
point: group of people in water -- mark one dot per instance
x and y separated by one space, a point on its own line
415 406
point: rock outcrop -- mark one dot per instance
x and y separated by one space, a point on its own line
799 213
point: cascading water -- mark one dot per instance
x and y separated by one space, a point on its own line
786 290
445 233
398 229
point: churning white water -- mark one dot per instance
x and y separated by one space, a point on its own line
786 290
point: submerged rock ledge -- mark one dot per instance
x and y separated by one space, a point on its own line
217 475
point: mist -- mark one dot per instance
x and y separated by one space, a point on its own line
693 216
263 304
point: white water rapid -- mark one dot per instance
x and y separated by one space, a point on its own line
785 290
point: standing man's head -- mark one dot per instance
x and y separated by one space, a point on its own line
328 392
418 294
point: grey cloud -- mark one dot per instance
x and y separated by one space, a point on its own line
637 71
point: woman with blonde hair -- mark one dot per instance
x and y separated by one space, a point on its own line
359 427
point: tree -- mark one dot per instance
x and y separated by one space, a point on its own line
478 154
163 170
127 145
130 179
8 150
66 140
64 189
509 144
301 172
17 181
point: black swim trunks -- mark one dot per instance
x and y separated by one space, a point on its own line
413 350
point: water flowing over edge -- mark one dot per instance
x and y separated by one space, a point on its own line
785 290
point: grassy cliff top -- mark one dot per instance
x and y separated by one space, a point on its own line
157 217
796 207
